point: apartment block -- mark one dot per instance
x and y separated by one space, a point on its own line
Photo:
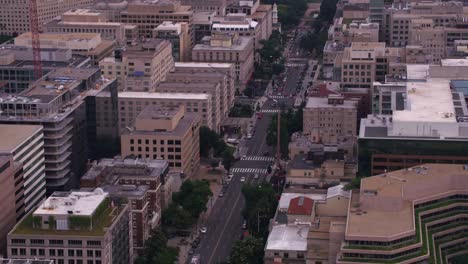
217 6
73 227
85 44
25 144
140 67
426 123
10 172
330 120
87 21
61 102
139 181
165 133
179 36
426 205
132 103
230 48
16 65
147 15
202 69
214 89
14 15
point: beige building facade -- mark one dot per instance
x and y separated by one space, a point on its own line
230 48
14 15
167 133
179 36
132 103
330 120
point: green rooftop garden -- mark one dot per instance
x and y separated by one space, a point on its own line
421 233
79 225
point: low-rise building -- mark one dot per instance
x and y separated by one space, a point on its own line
77 225
216 6
330 120
167 133
139 181
25 145
230 48
85 44
241 24
408 216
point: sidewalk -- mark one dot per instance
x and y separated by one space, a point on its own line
214 177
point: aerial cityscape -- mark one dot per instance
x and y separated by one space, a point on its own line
233 131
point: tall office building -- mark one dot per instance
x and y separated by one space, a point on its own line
25 143
14 15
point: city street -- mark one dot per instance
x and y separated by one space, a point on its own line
224 224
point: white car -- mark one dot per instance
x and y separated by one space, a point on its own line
203 230
244 156
220 194
230 175
256 176
242 179
249 136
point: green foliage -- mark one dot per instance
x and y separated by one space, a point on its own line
76 222
228 158
157 251
187 204
241 110
52 222
313 41
4 38
353 185
36 221
101 211
214 163
462 259
291 121
271 58
211 141
260 206
289 12
247 251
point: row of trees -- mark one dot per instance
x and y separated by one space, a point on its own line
271 57
261 202
289 12
241 110
291 121
213 145
187 205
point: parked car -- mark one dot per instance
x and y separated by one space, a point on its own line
203 230
242 179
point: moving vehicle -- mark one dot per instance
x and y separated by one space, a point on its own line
244 224
256 176
249 135
232 141
203 230
221 194
242 179
195 259
230 175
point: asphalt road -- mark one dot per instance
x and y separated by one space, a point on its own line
224 224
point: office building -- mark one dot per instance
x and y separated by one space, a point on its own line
230 48
200 69
10 172
14 15
165 133
427 123
140 67
25 144
330 120
262 14
25 261
147 15
16 65
240 24
74 227
214 89
217 6
140 182
411 215
202 24
87 21
85 44
62 103
132 103
179 36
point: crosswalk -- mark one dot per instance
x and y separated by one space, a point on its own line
258 158
249 170
269 110
294 64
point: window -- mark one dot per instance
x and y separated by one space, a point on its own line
33 252
18 241
51 252
55 242
14 251
41 252
97 253
170 142
146 141
71 253
74 242
132 141
71 261
22 252
89 253
79 253
286 255
177 142
170 149
162 142
60 252
139 141
177 149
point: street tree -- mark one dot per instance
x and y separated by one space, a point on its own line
247 251
228 159
157 251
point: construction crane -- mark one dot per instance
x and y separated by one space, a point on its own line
36 44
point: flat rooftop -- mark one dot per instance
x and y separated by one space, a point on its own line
162 96
238 44
184 125
429 101
288 238
202 65
158 112
14 135
79 203
320 102
286 198
391 196
62 37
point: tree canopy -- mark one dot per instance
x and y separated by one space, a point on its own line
157 251
247 251
260 206
291 121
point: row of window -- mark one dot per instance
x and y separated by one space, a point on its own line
20 241
34 252
155 142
